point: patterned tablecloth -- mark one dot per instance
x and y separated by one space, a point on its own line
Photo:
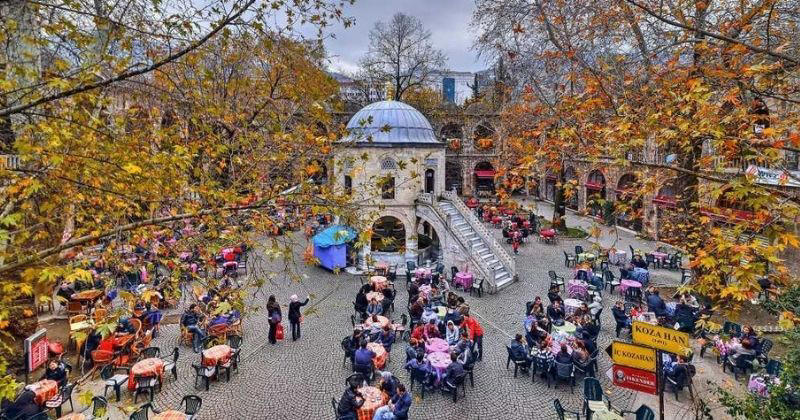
548 233
586 256
380 354
625 284
217 354
422 272
44 390
570 305
435 345
463 279
146 367
378 283
568 328
170 415
382 320
373 400
378 296
617 257
577 289
641 275
439 361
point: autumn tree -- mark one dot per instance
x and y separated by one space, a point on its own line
401 53
124 118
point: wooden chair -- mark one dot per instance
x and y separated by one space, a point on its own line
137 325
99 314
75 307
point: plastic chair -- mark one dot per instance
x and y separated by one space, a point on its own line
565 372
452 385
112 380
200 372
99 407
592 391
562 413
543 368
642 413
192 405
172 364
151 352
141 413
419 375
578 249
517 363
59 400
477 289
556 280
145 384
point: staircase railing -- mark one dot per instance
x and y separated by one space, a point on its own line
505 258
475 260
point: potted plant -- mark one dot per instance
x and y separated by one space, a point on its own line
455 144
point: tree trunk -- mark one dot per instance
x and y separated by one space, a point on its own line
559 203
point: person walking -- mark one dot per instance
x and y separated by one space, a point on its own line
274 314
294 315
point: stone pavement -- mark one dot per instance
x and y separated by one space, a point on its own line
297 380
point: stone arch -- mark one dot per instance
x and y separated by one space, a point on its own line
389 234
595 185
451 130
484 136
453 175
484 177
439 230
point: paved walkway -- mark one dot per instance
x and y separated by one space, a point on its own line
297 380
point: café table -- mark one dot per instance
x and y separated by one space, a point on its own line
380 354
219 354
548 233
555 346
434 345
641 275
600 411
659 256
170 415
378 296
618 257
571 305
382 321
568 328
373 400
147 367
439 361
43 390
378 282
625 284
577 288
463 279
586 256
422 272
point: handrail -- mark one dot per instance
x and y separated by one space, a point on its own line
477 262
501 253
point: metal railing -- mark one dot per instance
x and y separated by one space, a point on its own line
505 258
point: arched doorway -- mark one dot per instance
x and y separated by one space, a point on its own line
595 193
451 131
629 214
452 176
430 180
570 191
388 235
484 178
428 243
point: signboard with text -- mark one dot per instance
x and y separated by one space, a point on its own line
634 356
661 338
36 349
635 379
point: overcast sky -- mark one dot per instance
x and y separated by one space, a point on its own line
448 21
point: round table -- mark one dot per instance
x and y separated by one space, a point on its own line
625 284
170 415
378 282
217 354
577 288
382 320
568 327
435 345
617 257
463 279
547 233
147 367
439 361
373 399
555 347
586 256
378 296
570 305
43 390
380 354
422 272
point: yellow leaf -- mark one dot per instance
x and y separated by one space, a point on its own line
132 169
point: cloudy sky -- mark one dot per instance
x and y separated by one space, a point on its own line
448 21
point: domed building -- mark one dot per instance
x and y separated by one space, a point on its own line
390 156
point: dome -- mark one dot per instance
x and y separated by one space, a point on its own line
392 123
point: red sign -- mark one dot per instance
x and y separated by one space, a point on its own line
36 348
635 379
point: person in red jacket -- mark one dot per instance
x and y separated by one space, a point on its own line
475 334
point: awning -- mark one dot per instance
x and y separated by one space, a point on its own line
550 177
665 201
594 186
485 173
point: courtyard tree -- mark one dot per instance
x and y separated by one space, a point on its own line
401 53
121 119
697 93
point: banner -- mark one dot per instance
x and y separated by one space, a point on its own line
36 349
635 379
773 176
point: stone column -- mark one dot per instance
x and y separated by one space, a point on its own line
362 258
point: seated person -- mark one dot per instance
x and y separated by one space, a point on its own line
416 310
353 343
388 298
55 371
455 369
639 261
24 407
545 324
436 296
537 309
361 302
656 304
429 315
413 292
587 328
413 349
463 344
419 332
350 402
520 352
452 300
555 311
563 355
678 372
579 353
553 295
543 354
65 291
388 383
741 348
454 316
579 313
387 338
191 320
596 306
452 333
431 330
684 316
374 308
535 335
363 355
397 408
621 318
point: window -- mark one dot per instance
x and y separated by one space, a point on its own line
388 164
348 184
387 189
792 160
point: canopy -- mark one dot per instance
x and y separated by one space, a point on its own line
334 235
486 173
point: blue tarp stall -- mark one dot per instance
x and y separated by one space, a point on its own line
330 246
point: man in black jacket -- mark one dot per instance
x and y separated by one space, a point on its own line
350 402
191 319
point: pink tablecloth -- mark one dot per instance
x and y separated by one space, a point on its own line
422 272
439 362
435 345
625 284
577 289
463 279
378 296
425 290
548 233
659 256
570 305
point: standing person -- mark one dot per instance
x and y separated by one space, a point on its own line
475 334
515 238
294 315
274 313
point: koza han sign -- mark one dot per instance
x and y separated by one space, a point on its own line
661 338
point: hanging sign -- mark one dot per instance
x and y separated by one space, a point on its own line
661 338
635 379
634 356
35 348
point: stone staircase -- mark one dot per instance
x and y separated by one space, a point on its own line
498 264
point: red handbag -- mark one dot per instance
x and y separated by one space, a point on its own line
279 332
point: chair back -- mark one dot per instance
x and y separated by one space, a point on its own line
597 316
107 372
564 370
765 347
774 367
645 413
633 294
235 341
144 381
77 318
418 375
141 413
410 265
66 391
175 355
99 406
510 355
552 274
608 276
403 320
335 407
356 379
99 314
578 249
592 391
731 328
559 409
150 352
193 404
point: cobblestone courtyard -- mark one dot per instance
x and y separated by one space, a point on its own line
297 380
